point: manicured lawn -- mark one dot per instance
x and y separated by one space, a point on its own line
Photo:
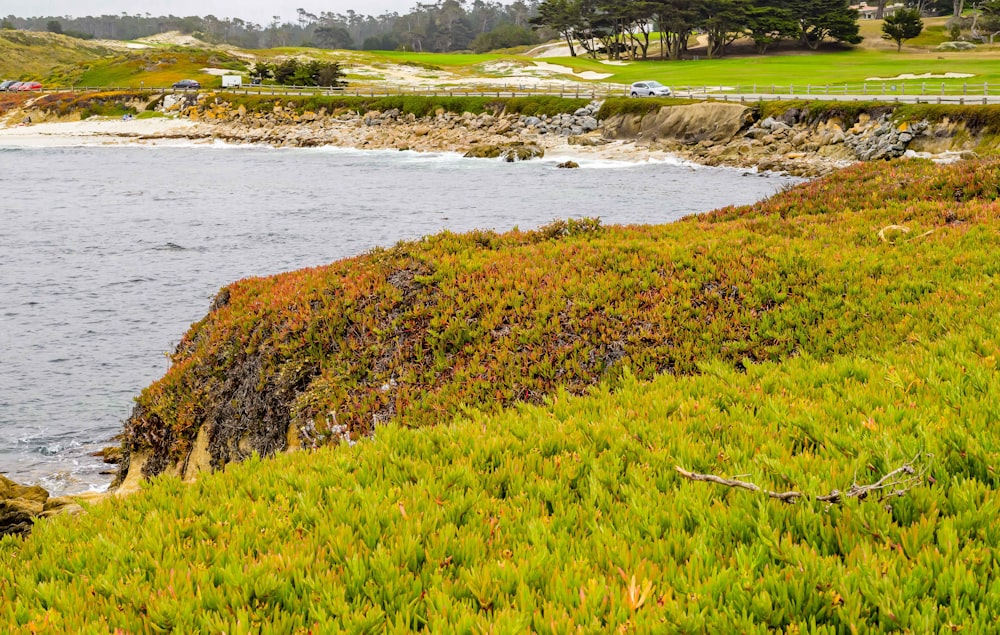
849 66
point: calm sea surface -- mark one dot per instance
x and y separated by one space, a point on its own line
108 254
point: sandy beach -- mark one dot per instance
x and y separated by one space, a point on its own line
99 131
162 131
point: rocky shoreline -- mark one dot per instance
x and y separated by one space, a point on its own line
711 133
799 141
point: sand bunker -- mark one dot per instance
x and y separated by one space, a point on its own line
219 72
557 49
513 70
901 77
566 70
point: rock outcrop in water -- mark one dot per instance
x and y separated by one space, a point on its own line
510 152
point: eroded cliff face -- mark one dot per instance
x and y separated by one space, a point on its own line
799 140
250 374
689 124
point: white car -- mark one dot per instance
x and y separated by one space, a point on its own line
649 89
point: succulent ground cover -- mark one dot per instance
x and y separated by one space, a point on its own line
416 332
534 393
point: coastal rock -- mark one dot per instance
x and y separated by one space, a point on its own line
509 152
568 164
566 124
711 133
522 153
689 124
586 140
799 143
19 505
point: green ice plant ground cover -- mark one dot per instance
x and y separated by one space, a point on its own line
414 332
568 514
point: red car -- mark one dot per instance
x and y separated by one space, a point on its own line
29 86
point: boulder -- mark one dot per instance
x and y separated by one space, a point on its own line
522 153
568 164
19 505
586 140
508 152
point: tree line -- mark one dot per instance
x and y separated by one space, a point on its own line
639 28
619 26
440 26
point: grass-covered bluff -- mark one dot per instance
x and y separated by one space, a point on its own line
567 514
416 332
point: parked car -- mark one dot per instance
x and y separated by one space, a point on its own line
187 83
4 85
649 88
13 86
25 86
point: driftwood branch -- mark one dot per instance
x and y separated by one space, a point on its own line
895 483
788 497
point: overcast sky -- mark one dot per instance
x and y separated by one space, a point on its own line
259 11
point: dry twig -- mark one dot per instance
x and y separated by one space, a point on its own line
788 497
895 483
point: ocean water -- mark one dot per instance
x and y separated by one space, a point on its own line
108 254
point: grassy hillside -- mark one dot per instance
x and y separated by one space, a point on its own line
40 56
158 67
819 339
